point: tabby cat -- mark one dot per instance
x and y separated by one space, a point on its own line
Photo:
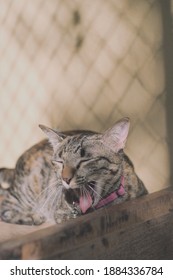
68 175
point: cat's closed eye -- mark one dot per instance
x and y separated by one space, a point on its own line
82 152
56 162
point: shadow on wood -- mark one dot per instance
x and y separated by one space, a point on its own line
137 229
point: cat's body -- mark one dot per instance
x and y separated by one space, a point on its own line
69 175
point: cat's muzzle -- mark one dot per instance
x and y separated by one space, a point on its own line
81 198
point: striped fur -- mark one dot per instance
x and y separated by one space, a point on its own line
67 176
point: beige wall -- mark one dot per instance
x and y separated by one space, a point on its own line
84 64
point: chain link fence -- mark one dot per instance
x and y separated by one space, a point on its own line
84 64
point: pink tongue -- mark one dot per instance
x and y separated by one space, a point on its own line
85 203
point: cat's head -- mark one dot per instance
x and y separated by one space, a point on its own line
89 164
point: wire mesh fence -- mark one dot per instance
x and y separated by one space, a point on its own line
84 64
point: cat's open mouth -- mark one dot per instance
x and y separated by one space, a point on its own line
83 197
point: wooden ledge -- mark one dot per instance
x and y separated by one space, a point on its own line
138 229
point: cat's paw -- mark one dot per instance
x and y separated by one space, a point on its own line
14 217
38 219
7 216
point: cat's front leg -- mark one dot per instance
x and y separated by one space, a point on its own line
14 217
13 212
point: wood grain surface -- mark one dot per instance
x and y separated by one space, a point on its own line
138 229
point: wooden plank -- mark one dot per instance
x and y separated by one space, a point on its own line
141 228
152 239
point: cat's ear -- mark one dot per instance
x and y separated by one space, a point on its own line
116 136
54 136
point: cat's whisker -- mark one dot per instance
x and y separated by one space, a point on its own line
54 201
85 192
43 201
52 196
94 191
102 188
93 207
54 192
52 184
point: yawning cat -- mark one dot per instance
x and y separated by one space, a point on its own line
68 175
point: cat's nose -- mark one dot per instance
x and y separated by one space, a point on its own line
67 174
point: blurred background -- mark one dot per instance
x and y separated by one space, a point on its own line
84 64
